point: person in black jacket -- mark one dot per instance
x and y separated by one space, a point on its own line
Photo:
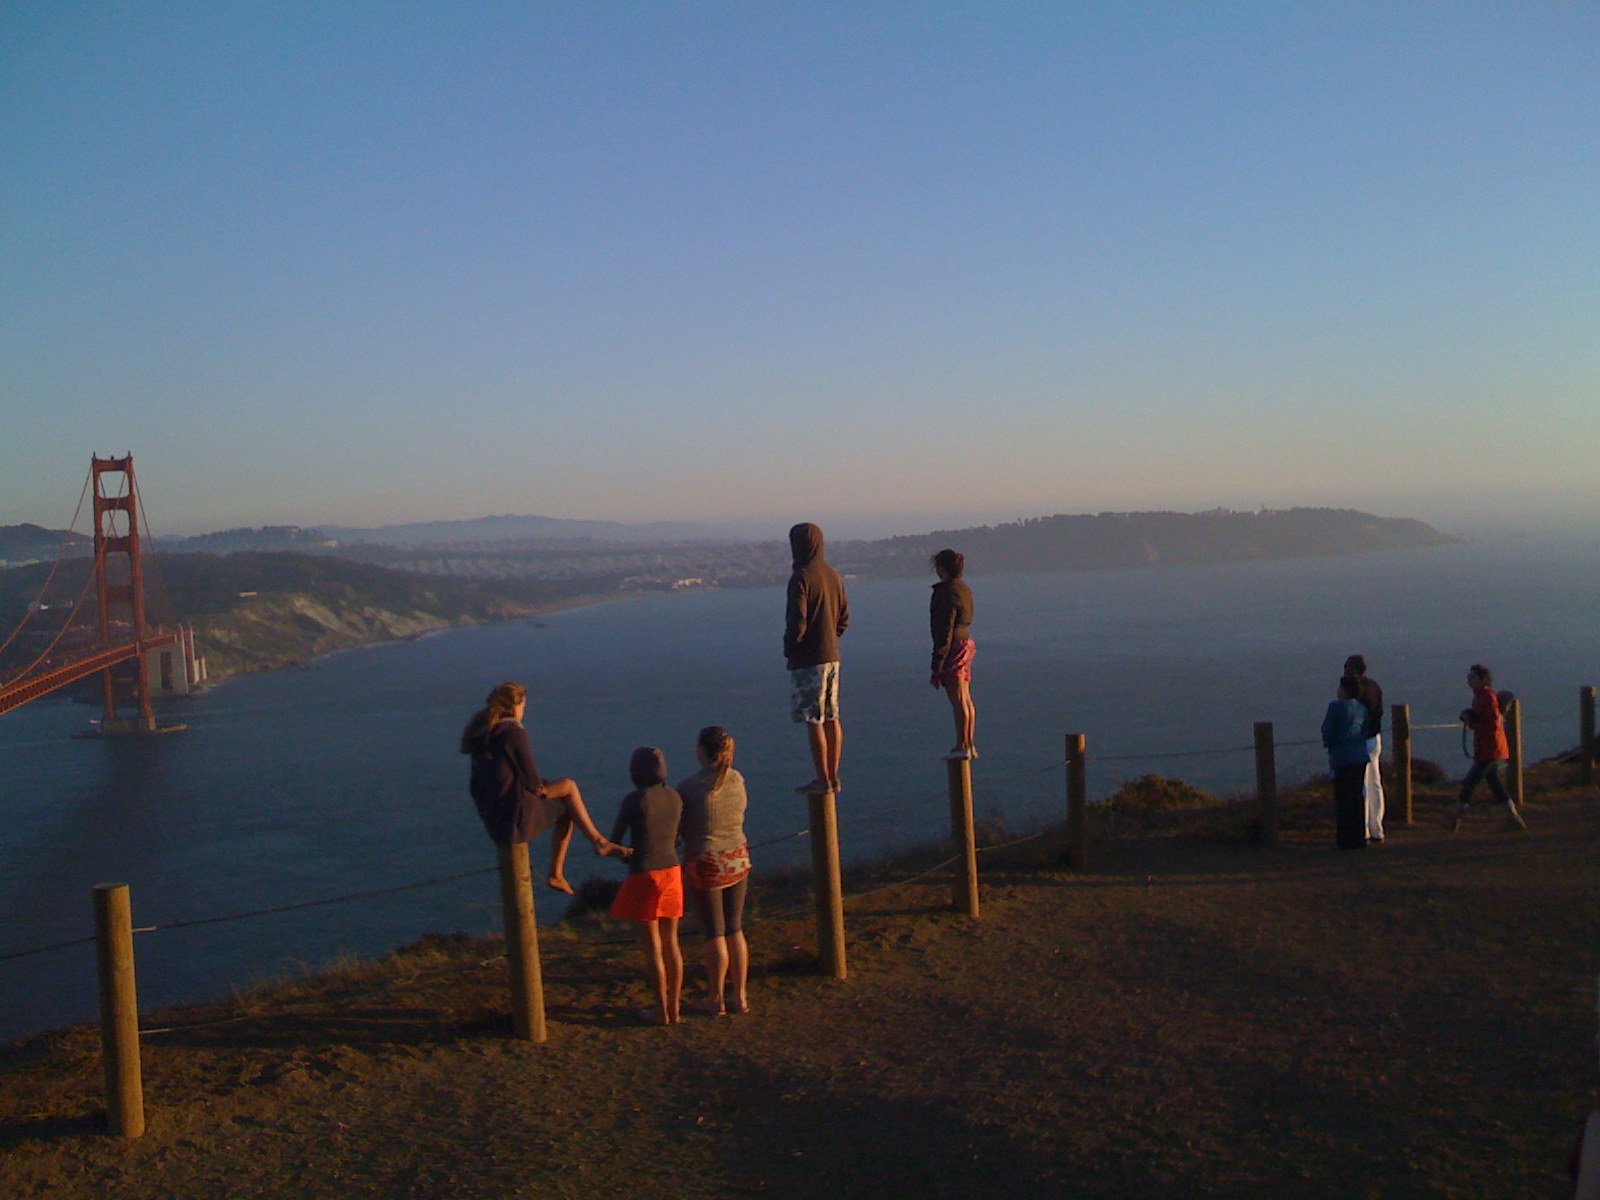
950 618
515 804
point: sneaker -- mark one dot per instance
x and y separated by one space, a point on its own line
1452 818
1516 817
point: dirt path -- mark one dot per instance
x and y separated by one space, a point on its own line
1190 1017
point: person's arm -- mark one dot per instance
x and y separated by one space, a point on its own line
942 622
1330 725
844 609
520 751
626 816
1485 710
794 617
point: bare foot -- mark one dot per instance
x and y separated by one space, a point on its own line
709 1007
739 1006
651 1016
559 884
817 787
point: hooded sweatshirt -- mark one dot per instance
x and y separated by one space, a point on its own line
650 814
817 611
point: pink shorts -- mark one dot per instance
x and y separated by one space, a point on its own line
650 895
958 663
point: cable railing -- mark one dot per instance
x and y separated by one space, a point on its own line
115 931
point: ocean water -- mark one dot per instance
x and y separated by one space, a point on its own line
343 776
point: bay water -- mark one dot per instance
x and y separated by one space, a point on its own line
343 777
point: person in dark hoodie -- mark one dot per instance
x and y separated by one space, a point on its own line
652 894
816 617
515 803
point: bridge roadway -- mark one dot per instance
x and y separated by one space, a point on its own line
15 695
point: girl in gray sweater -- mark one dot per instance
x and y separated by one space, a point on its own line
717 868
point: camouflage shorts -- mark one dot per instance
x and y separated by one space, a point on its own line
814 693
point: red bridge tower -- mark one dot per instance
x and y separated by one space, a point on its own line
119 584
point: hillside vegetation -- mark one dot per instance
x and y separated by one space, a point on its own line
256 611
1144 539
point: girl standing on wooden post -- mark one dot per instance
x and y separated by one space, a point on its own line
716 866
652 894
515 804
950 617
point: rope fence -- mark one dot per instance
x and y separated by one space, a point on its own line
114 929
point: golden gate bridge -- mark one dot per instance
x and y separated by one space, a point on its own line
115 593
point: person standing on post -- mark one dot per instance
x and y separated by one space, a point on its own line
816 616
1371 698
1491 753
950 617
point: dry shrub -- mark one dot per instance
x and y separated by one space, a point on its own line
1425 770
1159 793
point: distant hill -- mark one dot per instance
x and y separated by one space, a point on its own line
481 530
257 611
1145 539
265 540
34 543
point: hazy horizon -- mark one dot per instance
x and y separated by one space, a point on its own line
889 269
1484 527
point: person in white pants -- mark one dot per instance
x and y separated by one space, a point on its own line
1372 700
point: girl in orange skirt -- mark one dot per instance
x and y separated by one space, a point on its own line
652 894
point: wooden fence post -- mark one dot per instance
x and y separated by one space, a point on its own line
963 833
826 885
119 1010
1586 731
1267 783
522 944
1077 801
1400 721
1513 717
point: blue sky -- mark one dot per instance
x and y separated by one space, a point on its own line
887 266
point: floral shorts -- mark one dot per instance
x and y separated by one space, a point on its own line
814 693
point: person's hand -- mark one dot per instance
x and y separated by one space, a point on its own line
933 680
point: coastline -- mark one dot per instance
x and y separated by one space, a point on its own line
534 611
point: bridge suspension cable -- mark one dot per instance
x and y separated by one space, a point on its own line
61 557
88 583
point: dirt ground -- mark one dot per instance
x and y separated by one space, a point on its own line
1191 1016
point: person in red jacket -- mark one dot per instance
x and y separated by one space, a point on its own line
1491 755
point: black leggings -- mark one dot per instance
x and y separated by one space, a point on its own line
722 911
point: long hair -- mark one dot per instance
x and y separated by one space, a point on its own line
500 705
717 743
950 562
